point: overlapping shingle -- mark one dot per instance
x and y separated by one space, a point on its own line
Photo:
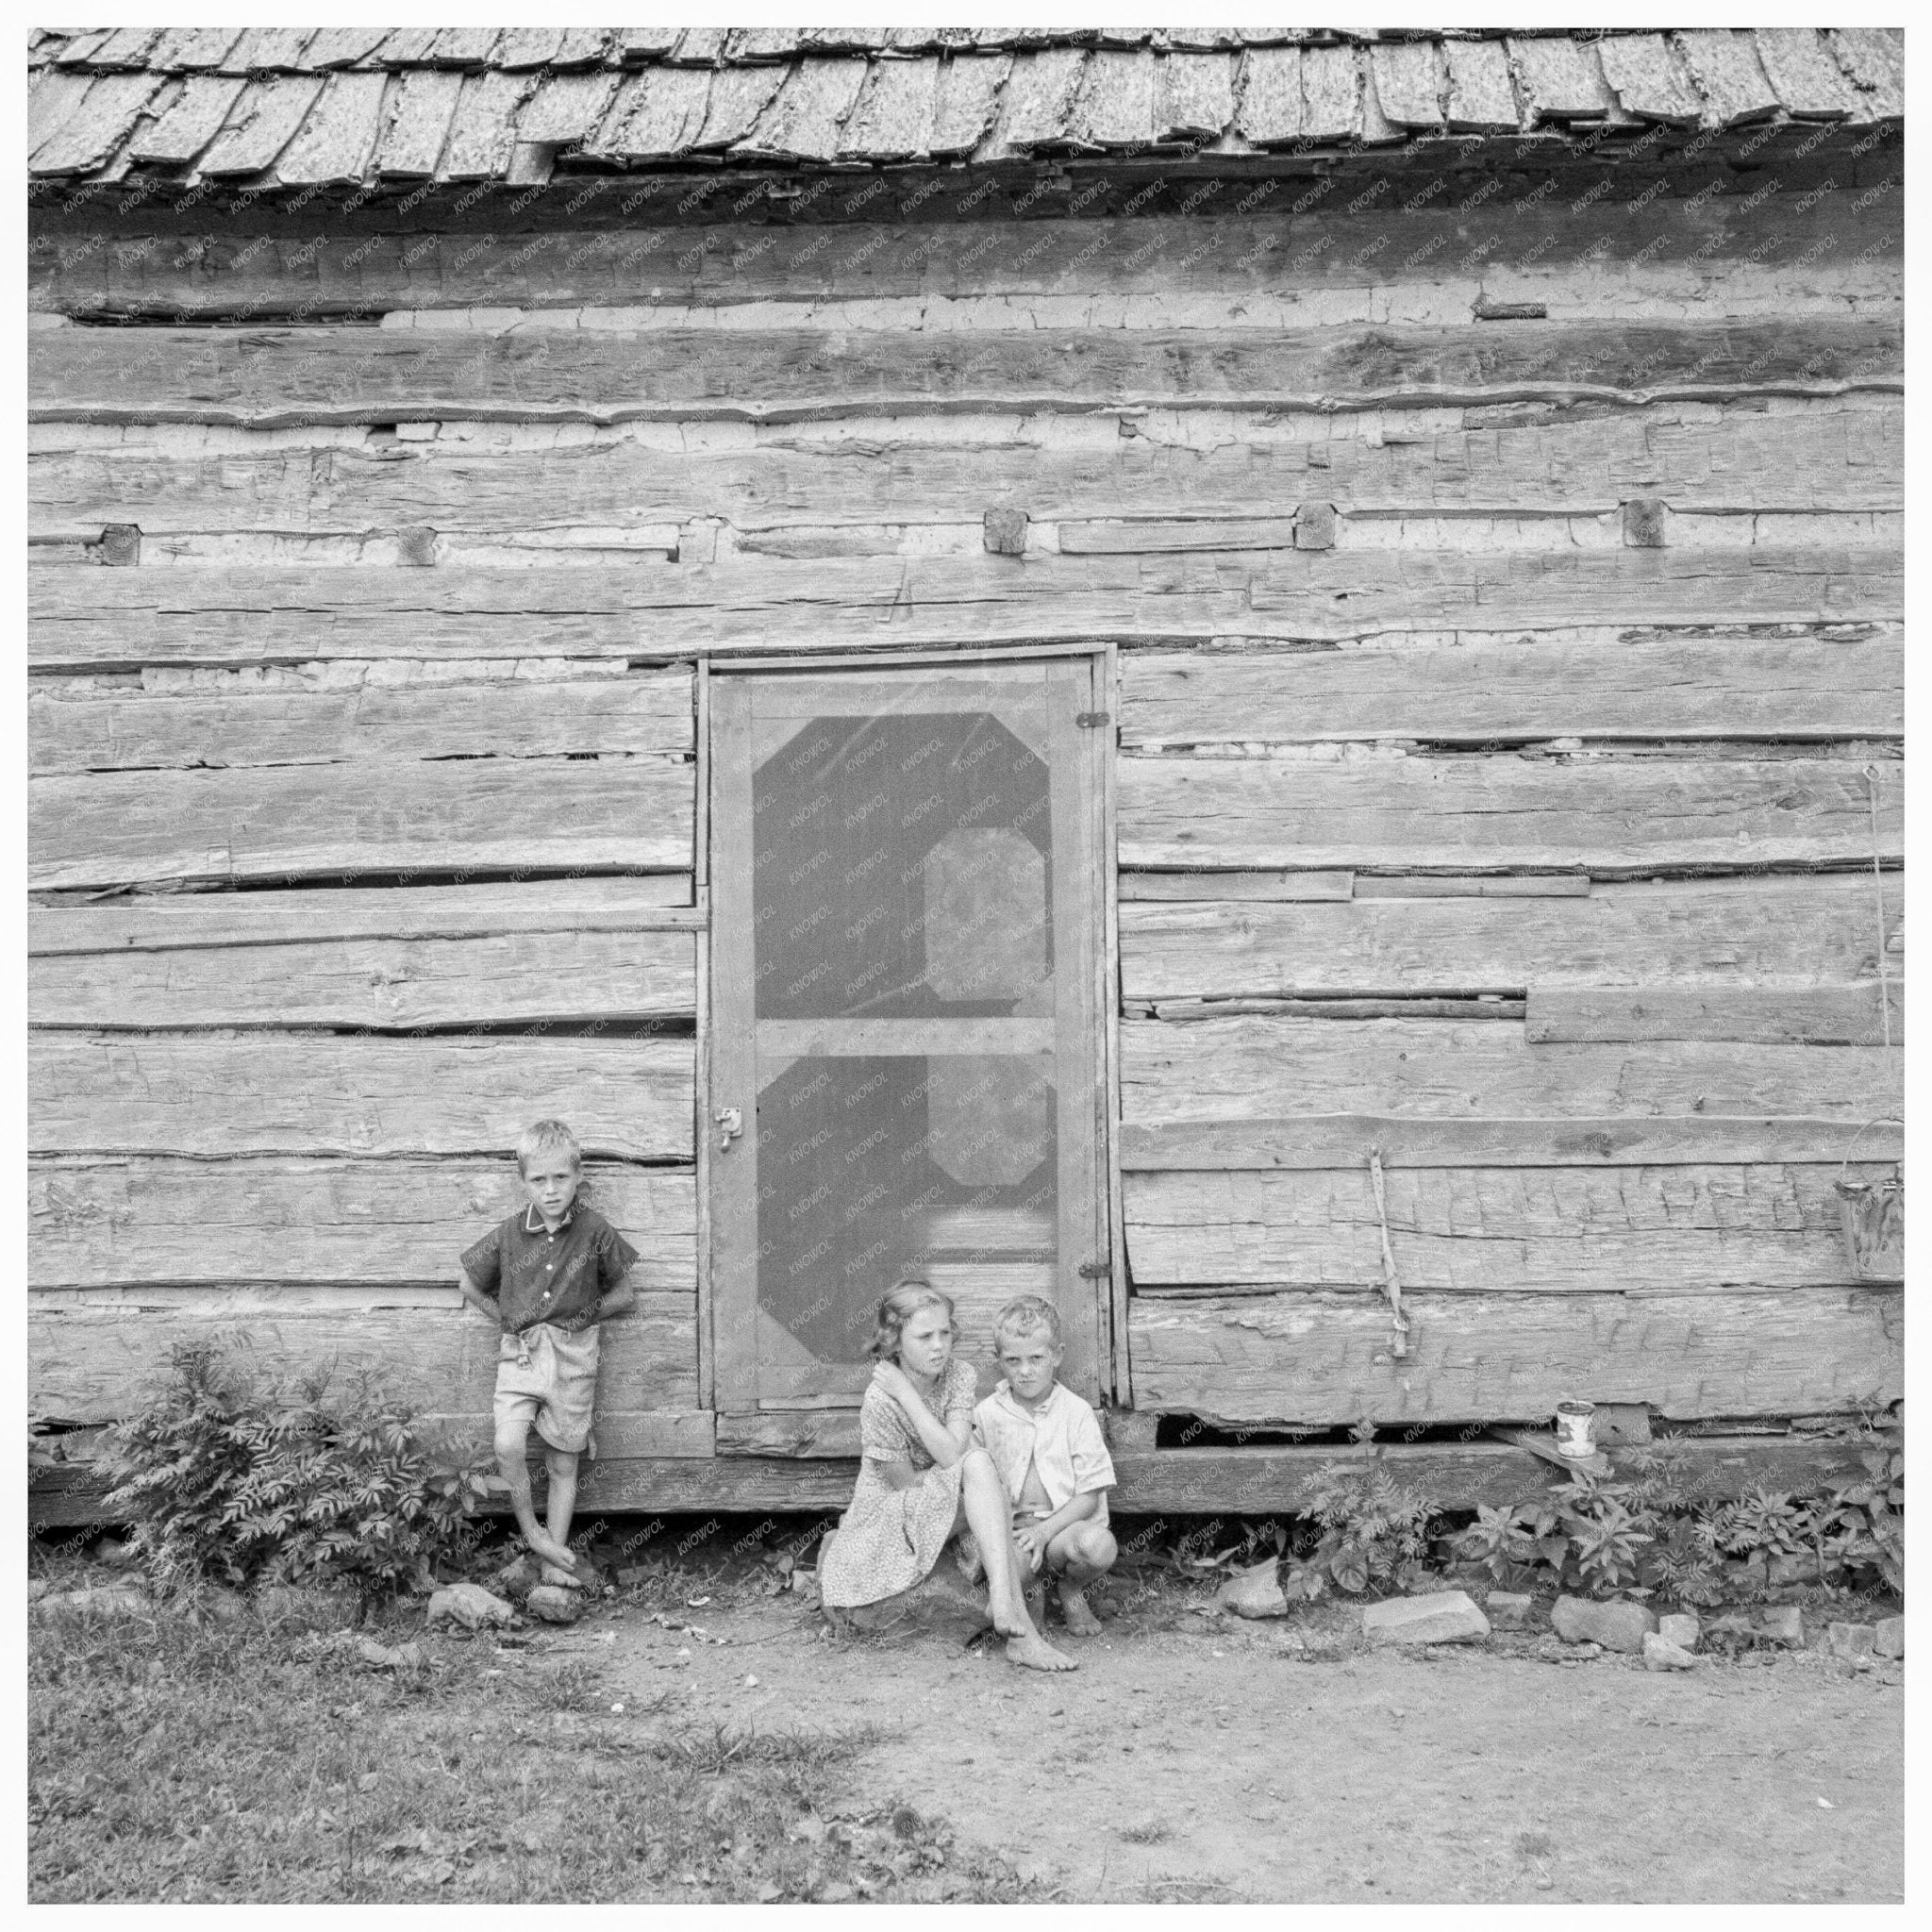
893 120
1649 79
638 96
802 120
1482 100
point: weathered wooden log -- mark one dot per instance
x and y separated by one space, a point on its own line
1314 1357
324 1224
95 1364
1710 934
168 922
1254 1480
503 980
1810 244
1832 454
280 378
74 729
1490 1230
1736 688
1221 1070
1316 1140
1605 814
266 1094
433 815
91 621
1825 1015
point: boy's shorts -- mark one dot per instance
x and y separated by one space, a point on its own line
550 1373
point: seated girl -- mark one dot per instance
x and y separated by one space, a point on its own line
922 1479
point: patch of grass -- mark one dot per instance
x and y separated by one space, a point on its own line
216 1763
1149 1831
807 1753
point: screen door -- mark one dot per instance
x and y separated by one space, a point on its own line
905 1048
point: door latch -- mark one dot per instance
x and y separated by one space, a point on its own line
730 1124
1095 1270
1091 721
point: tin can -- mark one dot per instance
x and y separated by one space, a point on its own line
1573 1439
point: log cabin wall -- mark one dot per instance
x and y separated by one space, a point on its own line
1503 557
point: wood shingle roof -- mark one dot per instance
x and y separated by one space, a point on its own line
269 106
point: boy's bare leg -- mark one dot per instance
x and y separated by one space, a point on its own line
512 1442
562 1465
1080 1555
984 1498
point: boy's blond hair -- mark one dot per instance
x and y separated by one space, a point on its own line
1026 1314
548 1137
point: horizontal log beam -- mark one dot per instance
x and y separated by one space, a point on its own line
280 378
93 620
507 978
162 263
95 1364
1607 814
1708 937
1679 1230
1312 1141
1253 1481
1324 1359
1260 1067
1538 458
115 829
265 1093
1866 1015
343 1226
174 921
74 729
1675 688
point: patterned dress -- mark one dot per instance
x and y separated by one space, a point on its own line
889 1540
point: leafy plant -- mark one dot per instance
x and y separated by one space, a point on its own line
1373 1532
225 1482
1507 1545
1863 1525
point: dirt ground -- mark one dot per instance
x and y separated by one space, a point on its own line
1196 1757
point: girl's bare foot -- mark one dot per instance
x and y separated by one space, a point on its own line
1032 1651
1081 1621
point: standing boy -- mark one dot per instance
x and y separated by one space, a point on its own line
548 1276
1047 1447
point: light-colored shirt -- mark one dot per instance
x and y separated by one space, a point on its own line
1060 1439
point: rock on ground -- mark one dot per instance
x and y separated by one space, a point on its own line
105 1599
1783 1624
1891 1638
555 1604
518 1579
1254 1592
308 1605
1682 1629
1615 1626
943 1604
383 1657
1659 1654
1507 1609
1442 1616
470 1605
1854 1640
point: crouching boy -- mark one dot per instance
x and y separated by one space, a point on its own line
1047 1447
547 1276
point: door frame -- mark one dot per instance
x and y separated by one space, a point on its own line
1112 1371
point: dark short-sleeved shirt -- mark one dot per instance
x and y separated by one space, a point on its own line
534 1275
